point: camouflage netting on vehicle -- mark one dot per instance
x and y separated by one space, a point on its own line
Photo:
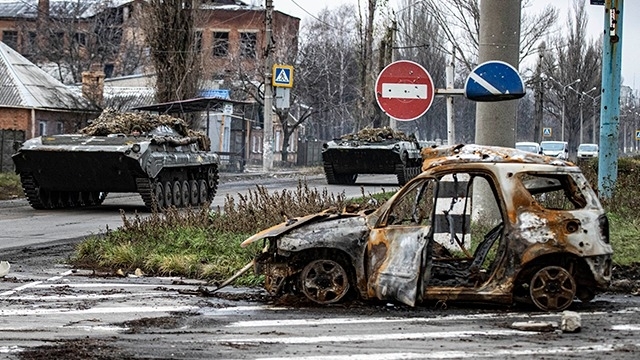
112 121
378 135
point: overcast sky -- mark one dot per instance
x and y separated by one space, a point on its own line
631 26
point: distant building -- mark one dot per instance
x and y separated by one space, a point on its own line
230 35
38 104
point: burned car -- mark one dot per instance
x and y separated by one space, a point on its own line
479 224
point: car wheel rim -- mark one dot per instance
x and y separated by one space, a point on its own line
324 281
552 288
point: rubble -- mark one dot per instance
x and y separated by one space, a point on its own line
571 322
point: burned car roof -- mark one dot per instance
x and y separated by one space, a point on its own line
443 155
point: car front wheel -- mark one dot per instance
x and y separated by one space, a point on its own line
324 281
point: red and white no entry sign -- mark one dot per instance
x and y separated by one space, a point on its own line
404 90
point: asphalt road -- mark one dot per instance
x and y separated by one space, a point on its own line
20 225
50 311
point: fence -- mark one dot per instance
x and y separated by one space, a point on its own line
309 153
8 139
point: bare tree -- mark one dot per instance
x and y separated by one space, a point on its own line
328 73
571 57
171 38
416 42
459 22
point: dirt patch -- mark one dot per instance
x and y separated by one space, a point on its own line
625 279
76 349
143 325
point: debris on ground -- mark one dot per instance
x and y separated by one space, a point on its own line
4 268
571 322
538 326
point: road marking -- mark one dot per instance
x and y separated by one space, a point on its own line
105 310
465 354
80 297
35 284
626 327
369 320
372 337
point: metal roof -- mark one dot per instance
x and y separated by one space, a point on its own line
57 8
23 84
190 105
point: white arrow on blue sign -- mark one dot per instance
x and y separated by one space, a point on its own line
494 81
637 134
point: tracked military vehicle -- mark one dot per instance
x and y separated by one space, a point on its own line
371 151
158 157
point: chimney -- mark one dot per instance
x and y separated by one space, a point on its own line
43 10
93 84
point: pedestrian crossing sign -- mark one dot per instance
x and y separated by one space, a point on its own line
282 76
546 132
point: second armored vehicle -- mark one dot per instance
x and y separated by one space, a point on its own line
155 156
371 151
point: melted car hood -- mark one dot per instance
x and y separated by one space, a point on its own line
294 223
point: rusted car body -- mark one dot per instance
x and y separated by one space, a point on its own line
485 224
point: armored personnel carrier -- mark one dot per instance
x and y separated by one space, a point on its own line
157 156
371 151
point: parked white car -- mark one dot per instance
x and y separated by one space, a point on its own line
532 147
559 149
586 151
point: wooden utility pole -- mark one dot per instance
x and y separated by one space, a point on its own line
267 138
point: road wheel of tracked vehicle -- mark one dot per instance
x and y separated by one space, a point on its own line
177 194
552 288
324 281
186 193
168 194
203 191
193 191
158 194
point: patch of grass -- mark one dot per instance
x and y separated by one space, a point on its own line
198 243
10 186
625 239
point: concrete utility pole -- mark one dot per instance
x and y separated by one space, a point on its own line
451 124
610 104
267 137
496 121
499 40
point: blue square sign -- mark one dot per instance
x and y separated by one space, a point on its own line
282 76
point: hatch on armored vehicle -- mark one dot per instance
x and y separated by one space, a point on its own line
157 156
371 151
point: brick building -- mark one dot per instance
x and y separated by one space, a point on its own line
229 35
33 101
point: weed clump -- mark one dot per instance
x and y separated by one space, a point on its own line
198 243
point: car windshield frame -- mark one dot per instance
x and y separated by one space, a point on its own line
588 147
553 146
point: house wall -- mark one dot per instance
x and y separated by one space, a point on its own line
49 122
15 119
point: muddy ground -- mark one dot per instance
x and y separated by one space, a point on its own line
33 259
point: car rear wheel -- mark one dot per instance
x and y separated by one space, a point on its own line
552 288
324 281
